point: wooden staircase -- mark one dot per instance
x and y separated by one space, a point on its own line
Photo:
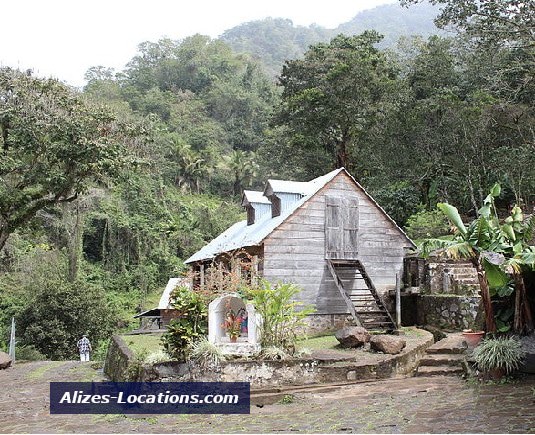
360 295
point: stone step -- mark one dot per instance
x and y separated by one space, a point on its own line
464 276
441 359
459 266
452 344
439 371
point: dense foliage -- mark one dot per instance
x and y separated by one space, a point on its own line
190 326
282 317
431 120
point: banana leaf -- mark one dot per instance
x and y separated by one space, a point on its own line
496 277
453 215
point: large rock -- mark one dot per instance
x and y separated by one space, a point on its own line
352 336
5 360
387 344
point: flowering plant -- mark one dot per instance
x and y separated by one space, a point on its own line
232 324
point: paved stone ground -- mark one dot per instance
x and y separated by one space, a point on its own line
412 405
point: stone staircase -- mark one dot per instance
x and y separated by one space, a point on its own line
459 277
445 357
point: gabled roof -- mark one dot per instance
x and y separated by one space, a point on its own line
278 186
164 303
253 196
241 235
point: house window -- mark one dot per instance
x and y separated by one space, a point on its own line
275 205
341 227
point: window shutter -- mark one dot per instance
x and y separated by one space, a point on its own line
351 227
341 228
250 215
275 205
333 227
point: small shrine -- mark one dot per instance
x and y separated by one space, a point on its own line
233 325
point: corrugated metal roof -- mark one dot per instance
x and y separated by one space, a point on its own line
302 187
255 196
241 235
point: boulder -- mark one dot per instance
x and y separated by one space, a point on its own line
387 344
5 360
352 336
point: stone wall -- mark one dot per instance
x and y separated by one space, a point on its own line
450 277
121 366
118 359
448 312
267 374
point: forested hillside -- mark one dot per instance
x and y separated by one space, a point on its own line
149 163
274 40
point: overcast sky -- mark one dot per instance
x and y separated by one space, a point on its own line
63 38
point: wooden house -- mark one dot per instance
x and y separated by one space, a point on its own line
329 237
158 318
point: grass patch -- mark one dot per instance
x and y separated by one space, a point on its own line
39 372
322 342
143 343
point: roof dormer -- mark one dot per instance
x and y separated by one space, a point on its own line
283 194
256 204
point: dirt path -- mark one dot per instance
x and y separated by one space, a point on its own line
435 405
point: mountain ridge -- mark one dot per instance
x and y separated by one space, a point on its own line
272 41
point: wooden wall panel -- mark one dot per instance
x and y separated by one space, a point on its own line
295 251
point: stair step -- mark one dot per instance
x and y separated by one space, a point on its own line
452 344
441 359
439 371
377 324
372 312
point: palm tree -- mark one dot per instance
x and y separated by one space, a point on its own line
243 166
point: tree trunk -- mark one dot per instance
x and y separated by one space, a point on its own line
523 320
4 235
73 227
237 188
341 154
490 323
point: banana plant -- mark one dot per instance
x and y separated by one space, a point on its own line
495 249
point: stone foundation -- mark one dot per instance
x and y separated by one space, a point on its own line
448 312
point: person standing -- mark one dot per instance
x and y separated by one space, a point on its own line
84 347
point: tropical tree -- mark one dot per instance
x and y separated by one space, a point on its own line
495 249
53 144
243 166
334 95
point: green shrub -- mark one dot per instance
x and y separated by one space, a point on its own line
157 356
191 326
100 350
427 224
499 353
28 353
60 312
281 319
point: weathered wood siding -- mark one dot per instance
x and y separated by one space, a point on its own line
296 251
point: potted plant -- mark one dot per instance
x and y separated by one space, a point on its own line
498 356
472 337
232 325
